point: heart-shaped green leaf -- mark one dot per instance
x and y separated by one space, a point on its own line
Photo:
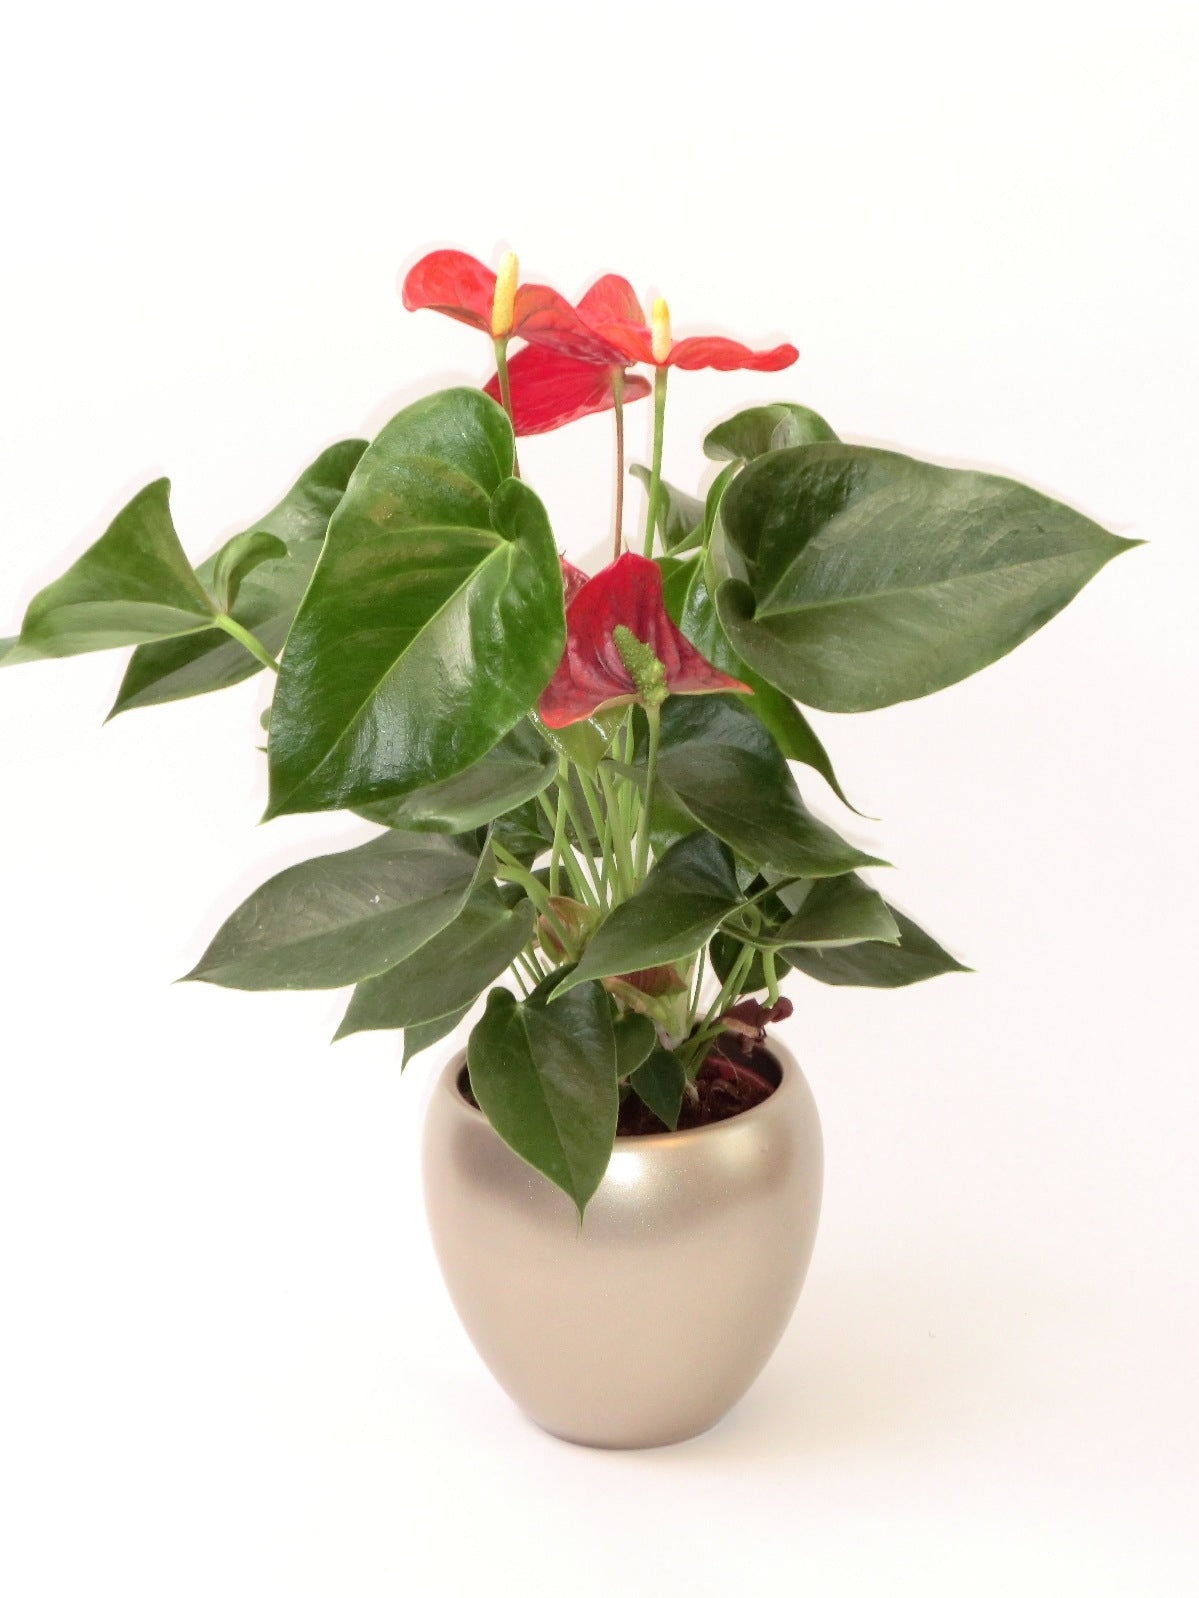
680 516
432 622
419 1038
780 715
264 598
660 1084
831 913
915 958
517 769
721 764
342 917
133 584
872 578
446 974
763 428
680 904
636 1038
545 1077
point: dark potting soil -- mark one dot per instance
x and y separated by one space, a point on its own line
723 1088
726 1084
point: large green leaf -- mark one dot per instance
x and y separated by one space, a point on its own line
763 428
517 769
831 913
433 620
660 1084
424 1036
545 1077
721 764
915 958
265 595
680 904
342 917
872 578
636 1038
780 715
449 972
133 584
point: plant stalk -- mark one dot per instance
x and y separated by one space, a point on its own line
501 367
653 716
618 408
246 638
655 475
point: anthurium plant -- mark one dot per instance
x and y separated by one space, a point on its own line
576 791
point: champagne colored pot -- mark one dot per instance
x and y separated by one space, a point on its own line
647 1323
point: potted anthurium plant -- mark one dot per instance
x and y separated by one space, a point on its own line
577 797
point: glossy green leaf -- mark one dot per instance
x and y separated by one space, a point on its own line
915 958
724 768
133 584
424 1036
238 559
680 516
545 1077
676 576
680 904
636 1038
342 917
763 428
872 578
780 715
265 599
660 1084
517 769
447 973
833 912
583 742
432 622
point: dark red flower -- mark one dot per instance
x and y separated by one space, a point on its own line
548 389
621 646
458 285
572 579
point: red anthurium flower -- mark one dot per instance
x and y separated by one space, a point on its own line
621 646
460 286
548 389
572 579
616 316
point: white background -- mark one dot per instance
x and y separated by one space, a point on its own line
228 1363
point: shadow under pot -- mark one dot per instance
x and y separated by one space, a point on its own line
646 1324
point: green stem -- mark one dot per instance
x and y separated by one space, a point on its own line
653 716
693 1007
501 367
584 849
247 639
655 475
603 831
772 977
621 851
558 847
618 407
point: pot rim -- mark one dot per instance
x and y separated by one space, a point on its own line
789 1072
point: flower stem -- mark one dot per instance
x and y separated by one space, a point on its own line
618 408
246 639
655 475
653 716
501 366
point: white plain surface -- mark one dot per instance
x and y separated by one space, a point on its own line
228 1363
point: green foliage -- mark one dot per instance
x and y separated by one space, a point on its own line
872 578
545 1077
414 591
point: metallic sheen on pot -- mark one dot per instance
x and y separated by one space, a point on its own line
647 1323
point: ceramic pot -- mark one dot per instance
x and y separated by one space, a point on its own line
647 1323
